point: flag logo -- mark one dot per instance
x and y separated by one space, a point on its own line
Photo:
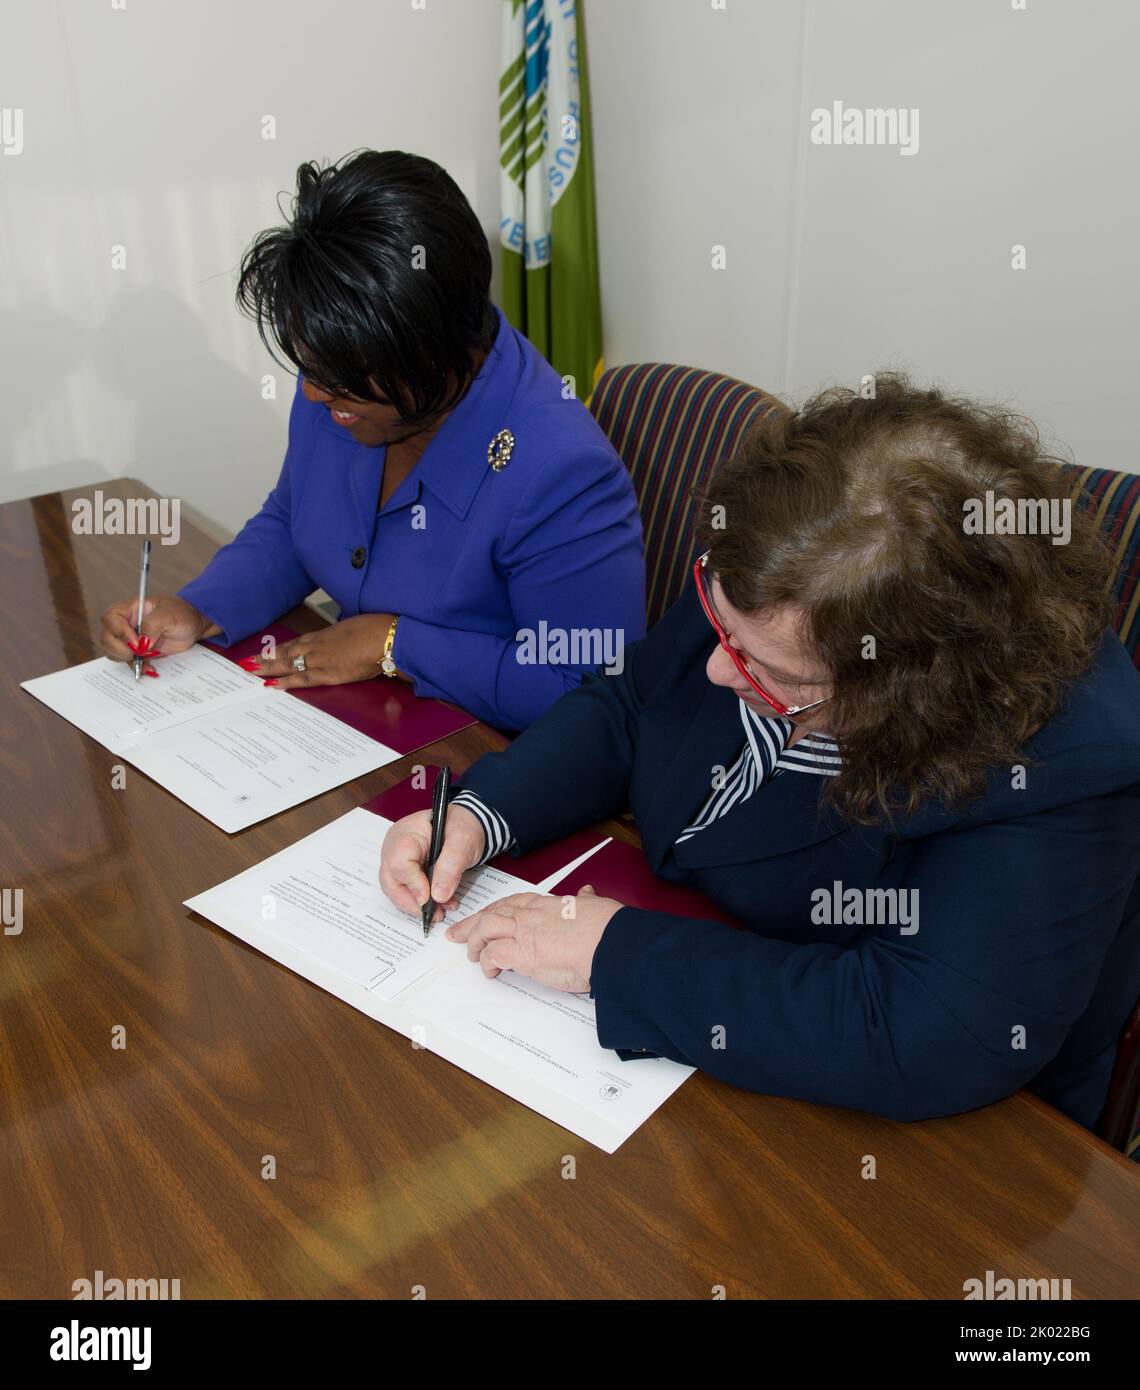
539 122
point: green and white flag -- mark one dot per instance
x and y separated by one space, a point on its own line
547 227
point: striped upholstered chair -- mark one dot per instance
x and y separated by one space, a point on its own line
672 426
1114 499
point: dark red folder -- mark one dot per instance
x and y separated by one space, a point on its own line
622 871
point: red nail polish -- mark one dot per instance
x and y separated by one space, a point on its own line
150 672
249 663
271 682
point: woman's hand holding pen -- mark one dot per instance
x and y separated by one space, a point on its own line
346 651
171 624
551 940
405 851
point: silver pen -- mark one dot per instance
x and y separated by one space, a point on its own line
144 574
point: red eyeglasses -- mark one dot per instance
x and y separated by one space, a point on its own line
737 660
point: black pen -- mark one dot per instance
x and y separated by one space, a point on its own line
438 821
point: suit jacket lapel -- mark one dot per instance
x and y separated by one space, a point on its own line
684 750
366 469
781 816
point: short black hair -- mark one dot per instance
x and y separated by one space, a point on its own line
384 273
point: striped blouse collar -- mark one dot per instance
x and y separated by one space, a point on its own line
768 735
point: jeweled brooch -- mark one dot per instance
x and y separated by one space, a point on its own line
499 450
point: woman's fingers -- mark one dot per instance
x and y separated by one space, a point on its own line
454 859
403 856
401 870
409 889
462 845
301 680
280 664
277 664
493 924
118 634
157 619
116 637
503 953
507 908
280 670
403 898
169 623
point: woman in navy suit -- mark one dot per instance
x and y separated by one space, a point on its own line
442 482
888 730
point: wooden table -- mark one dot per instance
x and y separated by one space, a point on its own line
394 1168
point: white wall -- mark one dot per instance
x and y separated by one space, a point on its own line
841 260
142 127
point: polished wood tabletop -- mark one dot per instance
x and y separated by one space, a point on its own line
394 1169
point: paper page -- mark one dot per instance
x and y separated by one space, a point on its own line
103 698
240 764
317 907
322 897
541 1046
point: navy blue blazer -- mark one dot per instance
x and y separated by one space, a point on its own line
1026 962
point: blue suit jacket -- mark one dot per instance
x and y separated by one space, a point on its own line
1029 904
465 555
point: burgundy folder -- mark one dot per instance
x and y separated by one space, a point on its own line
385 710
616 871
622 871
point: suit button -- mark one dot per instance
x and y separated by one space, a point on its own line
358 558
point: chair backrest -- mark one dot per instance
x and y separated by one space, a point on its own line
671 426
1119 1123
1114 499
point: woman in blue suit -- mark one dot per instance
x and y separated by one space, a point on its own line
442 483
888 731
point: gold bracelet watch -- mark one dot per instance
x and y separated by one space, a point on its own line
386 662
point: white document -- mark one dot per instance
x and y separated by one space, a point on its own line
321 898
317 907
212 734
540 1046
